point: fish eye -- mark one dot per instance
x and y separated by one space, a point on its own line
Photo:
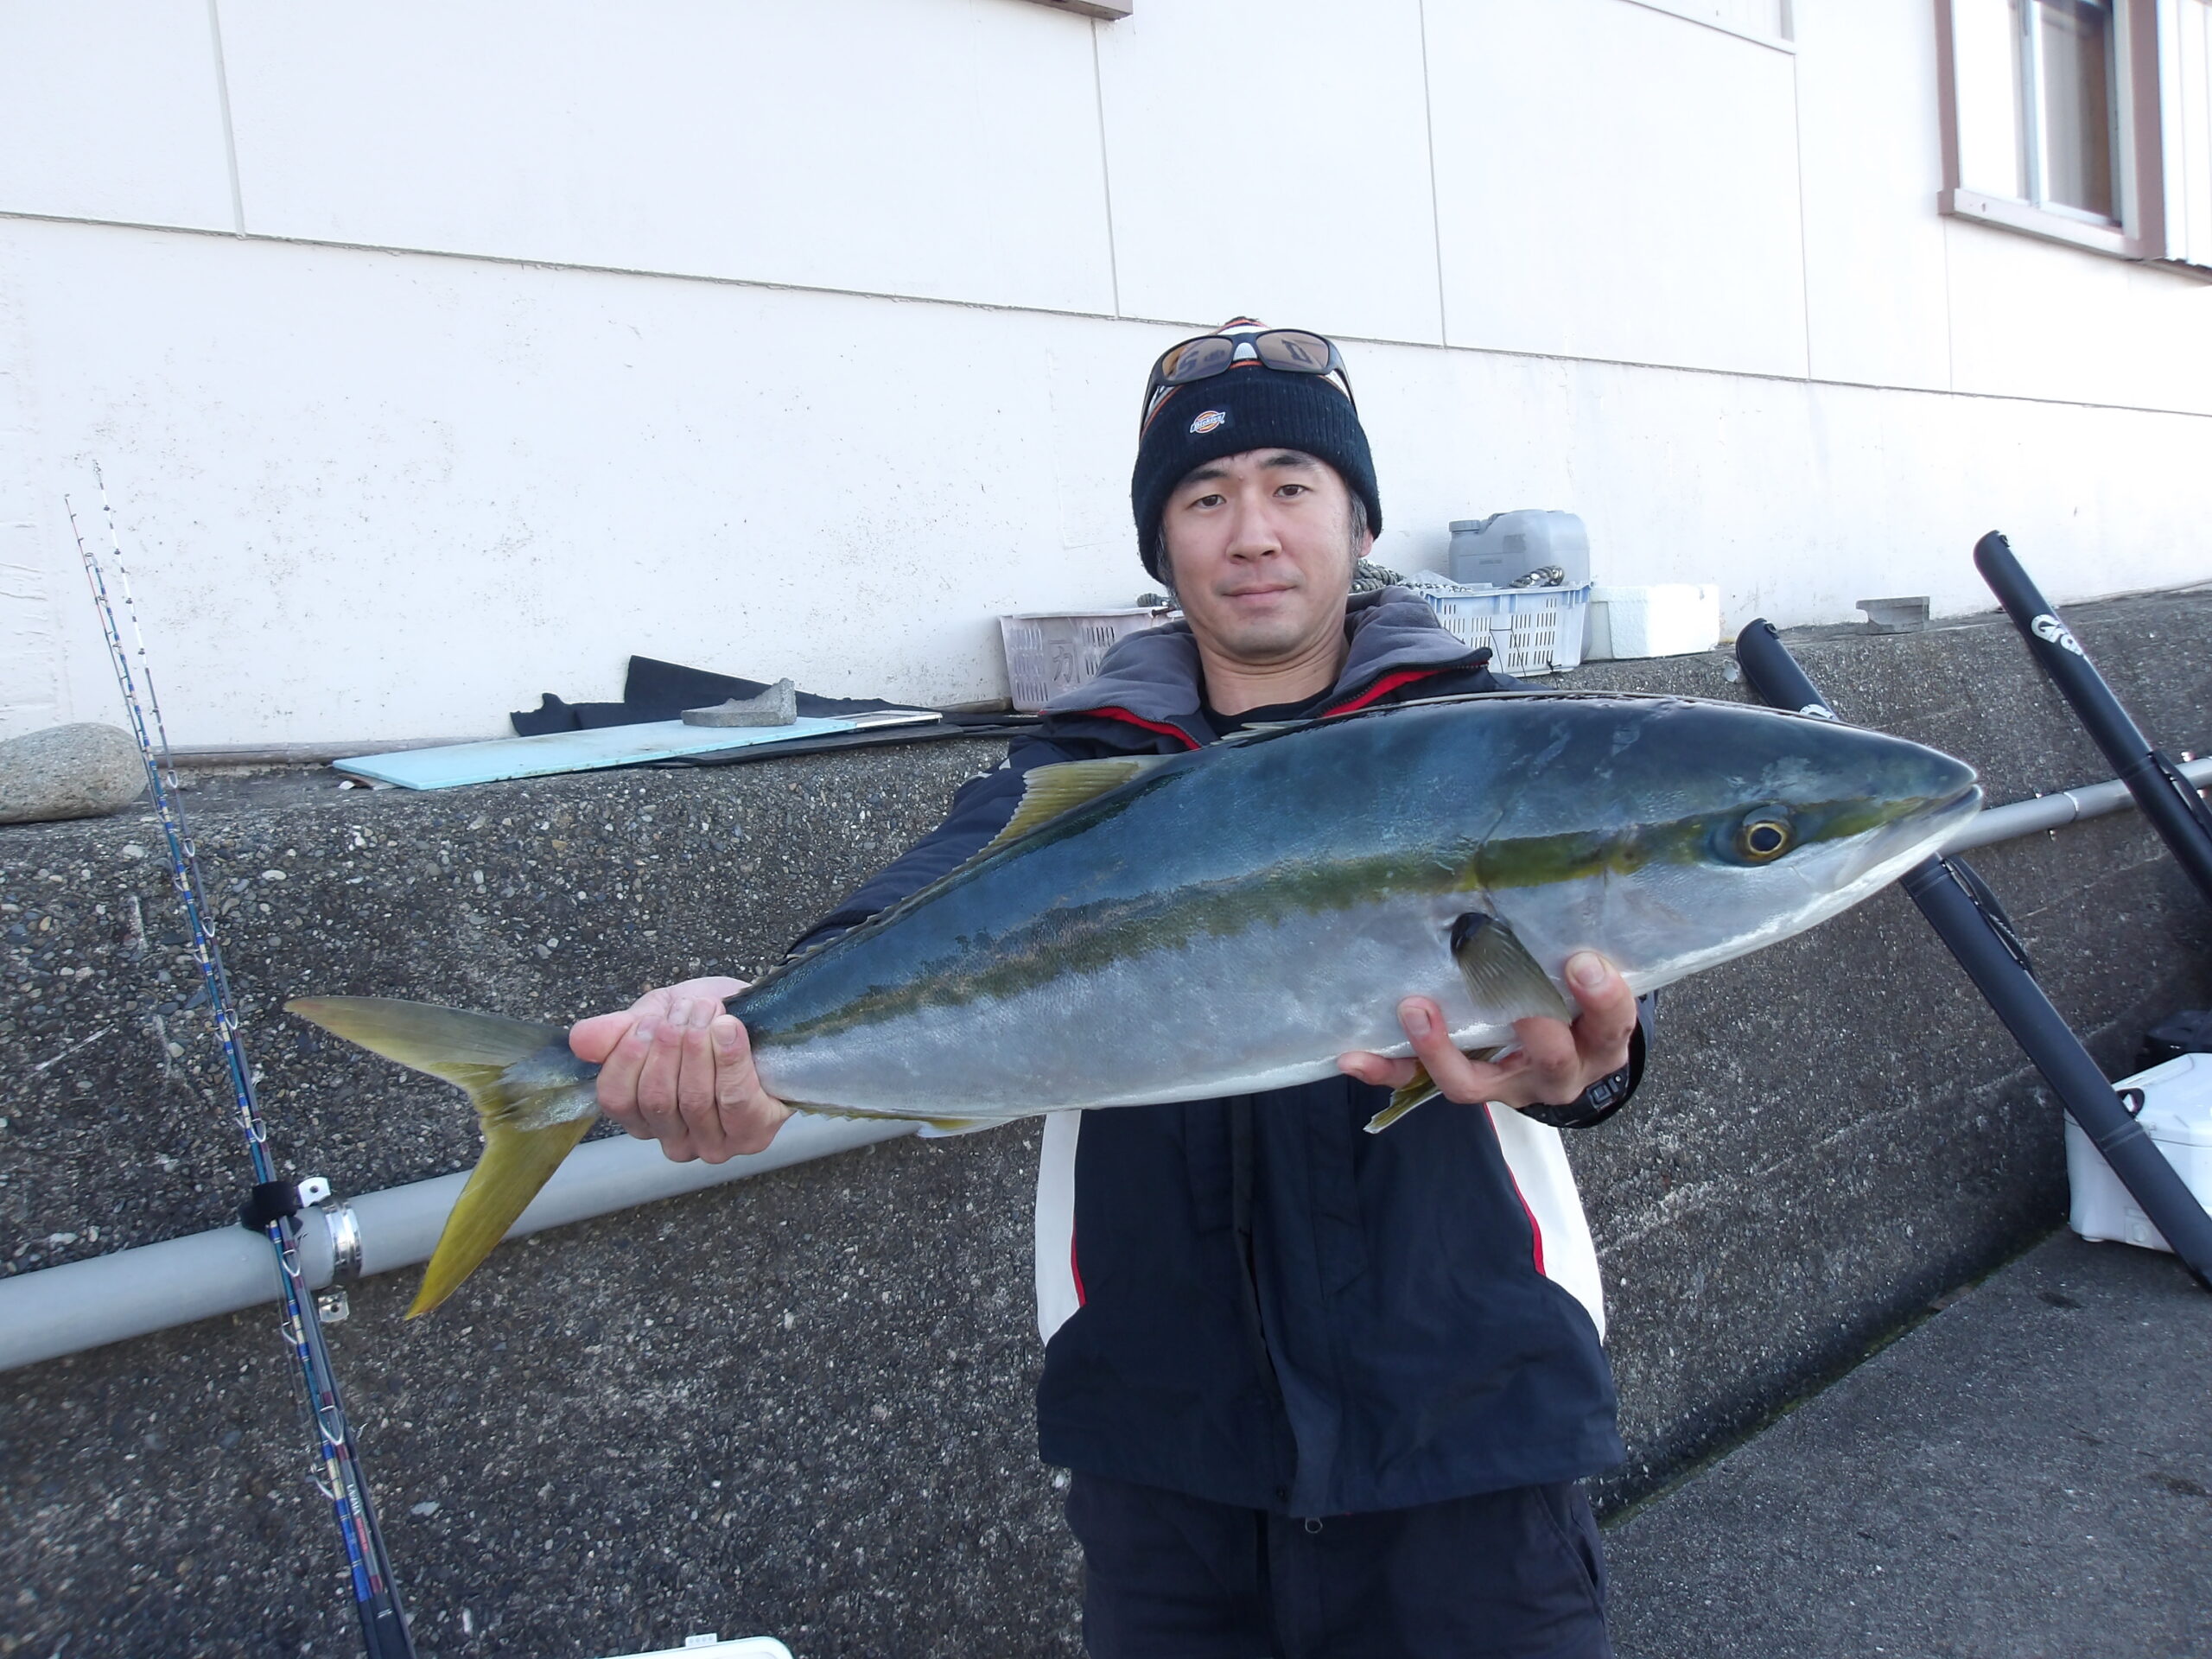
1765 836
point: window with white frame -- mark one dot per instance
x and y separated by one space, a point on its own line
2084 121
2185 100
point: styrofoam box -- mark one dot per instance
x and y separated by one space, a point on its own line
1669 618
2177 1116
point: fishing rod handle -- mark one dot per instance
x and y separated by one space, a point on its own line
1773 673
2168 803
2079 1083
2059 654
1973 938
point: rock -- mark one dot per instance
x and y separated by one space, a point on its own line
68 771
776 706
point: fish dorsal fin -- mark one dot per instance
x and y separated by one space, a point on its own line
1047 792
1502 977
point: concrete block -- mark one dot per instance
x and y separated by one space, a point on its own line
776 706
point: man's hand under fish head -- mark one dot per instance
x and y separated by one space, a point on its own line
675 1067
1553 1063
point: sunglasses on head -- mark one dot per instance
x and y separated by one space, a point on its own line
1242 341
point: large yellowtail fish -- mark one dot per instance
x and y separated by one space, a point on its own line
1232 919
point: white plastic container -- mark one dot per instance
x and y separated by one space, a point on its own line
1671 619
1498 550
2177 1116
1529 630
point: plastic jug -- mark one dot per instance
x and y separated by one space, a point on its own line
1493 551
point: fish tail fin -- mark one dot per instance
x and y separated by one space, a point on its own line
534 1101
515 1164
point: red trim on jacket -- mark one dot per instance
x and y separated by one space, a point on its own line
1383 688
1536 1232
1075 1268
1176 732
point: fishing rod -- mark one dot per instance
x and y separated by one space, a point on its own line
275 1207
1965 913
2175 809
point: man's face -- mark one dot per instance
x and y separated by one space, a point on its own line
1260 550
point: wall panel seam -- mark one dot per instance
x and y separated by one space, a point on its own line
1770 42
1105 171
1436 197
1804 252
223 105
766 285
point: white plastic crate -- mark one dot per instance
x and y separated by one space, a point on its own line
2177 1116
1049 652
1532 630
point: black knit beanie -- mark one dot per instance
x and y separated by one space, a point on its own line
1250 407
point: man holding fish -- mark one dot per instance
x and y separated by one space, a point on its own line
1324 1367
1322 1391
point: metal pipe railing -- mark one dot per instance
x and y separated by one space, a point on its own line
65 1310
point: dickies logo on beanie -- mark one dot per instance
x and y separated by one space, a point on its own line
1246 408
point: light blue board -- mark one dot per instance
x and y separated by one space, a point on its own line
586 751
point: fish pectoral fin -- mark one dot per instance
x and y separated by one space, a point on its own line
1047 792
469 1050
516 1163
1500 975
1419 1092
939 1129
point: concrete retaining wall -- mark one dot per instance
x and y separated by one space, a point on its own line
801 1404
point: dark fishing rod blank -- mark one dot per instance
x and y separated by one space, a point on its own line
1959 907
2175 809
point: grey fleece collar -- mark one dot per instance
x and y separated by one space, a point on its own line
1154 675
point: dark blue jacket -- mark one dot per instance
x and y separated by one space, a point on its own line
1278 1310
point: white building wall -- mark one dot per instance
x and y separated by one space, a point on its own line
440 355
